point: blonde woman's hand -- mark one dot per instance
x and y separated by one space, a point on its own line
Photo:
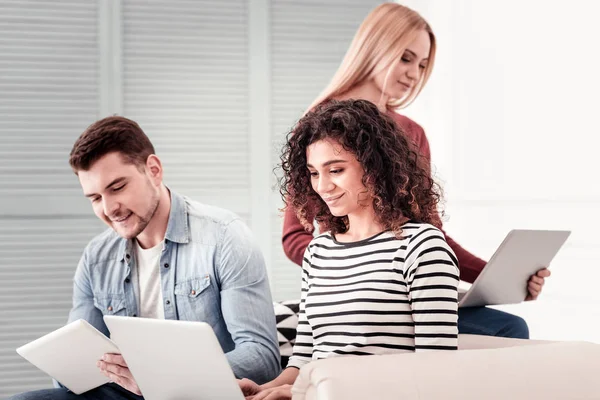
536 283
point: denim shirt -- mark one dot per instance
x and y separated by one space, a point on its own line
211 270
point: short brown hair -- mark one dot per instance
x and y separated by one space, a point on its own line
111 134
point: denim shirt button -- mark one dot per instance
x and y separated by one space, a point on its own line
127 256
166 265
168 302
110 308
127 280
193 292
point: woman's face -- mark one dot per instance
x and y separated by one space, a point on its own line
336 176
407 72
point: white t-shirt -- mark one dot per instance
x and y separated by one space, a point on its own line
147 276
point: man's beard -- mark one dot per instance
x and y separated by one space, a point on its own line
144 221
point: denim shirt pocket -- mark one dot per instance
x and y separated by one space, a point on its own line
195 300
113 305
193 287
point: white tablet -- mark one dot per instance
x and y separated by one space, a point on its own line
180 360
69 355
504 278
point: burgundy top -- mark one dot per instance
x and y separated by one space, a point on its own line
295 238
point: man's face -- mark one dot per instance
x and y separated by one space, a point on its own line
122 195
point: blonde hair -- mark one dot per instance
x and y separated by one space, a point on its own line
378 44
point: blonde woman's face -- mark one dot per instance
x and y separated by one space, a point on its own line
406 72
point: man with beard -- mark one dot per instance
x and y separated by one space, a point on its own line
165 256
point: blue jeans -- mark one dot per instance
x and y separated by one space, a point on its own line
491 322
104 392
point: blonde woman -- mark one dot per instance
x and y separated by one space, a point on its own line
389 61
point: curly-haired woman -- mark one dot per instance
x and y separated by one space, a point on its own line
382 278
388 63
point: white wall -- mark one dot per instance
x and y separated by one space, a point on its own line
511 114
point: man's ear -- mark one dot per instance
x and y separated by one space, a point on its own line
154 169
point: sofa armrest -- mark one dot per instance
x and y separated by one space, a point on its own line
474 342
555 370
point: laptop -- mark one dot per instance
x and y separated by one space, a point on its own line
504 278
174 360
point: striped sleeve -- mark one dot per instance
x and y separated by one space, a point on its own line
303 348
431 274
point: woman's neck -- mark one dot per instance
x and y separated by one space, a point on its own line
367 91
361 226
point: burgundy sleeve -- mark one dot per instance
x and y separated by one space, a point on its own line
295 238
469 265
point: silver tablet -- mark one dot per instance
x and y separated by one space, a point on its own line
69 355
504 278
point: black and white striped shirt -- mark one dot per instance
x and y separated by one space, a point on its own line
378 295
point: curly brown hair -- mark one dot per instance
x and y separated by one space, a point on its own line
395 175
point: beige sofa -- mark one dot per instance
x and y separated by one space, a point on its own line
483 368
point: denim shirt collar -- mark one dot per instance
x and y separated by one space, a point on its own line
177 227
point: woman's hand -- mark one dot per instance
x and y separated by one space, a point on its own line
283 392
536 283
249 388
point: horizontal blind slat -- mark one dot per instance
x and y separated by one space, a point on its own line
186 84
308 42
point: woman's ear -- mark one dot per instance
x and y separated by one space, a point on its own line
154 169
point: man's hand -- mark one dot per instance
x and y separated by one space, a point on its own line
283 392
115 368
249 388
536 283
